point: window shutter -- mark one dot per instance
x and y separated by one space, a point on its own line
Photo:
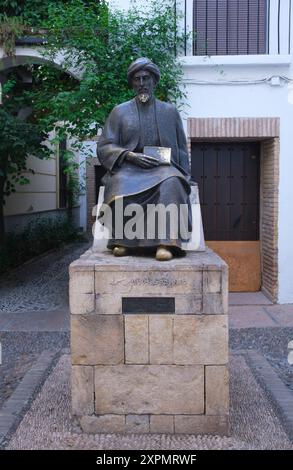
229 27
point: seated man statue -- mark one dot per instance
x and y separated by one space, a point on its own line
139 178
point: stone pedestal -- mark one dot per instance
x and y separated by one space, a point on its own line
149 344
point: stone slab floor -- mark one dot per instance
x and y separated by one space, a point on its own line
34 317
254 423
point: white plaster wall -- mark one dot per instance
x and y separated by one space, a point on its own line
253 100
27 54
217 96
40 194
88 150
285 208
120 4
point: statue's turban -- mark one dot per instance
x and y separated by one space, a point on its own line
143 63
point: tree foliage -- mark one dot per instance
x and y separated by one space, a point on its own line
18 139
32 12
99 45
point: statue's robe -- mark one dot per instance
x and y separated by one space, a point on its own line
130 127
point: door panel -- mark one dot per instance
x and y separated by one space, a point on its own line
243 259
227 174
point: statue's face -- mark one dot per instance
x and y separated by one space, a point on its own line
143 84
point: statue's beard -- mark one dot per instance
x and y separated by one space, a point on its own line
143 97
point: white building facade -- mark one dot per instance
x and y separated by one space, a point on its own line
45 195
238 74
238 117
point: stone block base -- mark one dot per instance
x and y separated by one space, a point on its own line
149 344
156 424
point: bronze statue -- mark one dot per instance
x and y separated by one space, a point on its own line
131 126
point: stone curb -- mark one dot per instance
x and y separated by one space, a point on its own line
13 409
281 396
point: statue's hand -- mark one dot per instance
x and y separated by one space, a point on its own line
142 160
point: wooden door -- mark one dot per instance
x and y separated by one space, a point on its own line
99 173
228 178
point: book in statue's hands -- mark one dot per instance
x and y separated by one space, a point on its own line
162 154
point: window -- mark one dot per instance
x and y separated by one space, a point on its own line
229 27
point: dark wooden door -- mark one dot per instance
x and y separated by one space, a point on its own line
228 178
99 173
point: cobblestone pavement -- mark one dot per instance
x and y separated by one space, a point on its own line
272 343
20 351
41 284
254 423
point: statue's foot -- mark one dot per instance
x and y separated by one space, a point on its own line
120 251
163 254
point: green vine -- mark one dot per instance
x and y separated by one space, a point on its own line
10 28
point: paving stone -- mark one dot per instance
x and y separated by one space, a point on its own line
82 390
212 281
247 316
187 304
97 339
103 424
163 424
82 282
217 390
202 425
137 424
213 304
149 389
201 339
81 303
136 339
161 339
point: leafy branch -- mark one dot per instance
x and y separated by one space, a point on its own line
11 27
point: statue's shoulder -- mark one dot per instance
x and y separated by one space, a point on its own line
123 107
166 106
